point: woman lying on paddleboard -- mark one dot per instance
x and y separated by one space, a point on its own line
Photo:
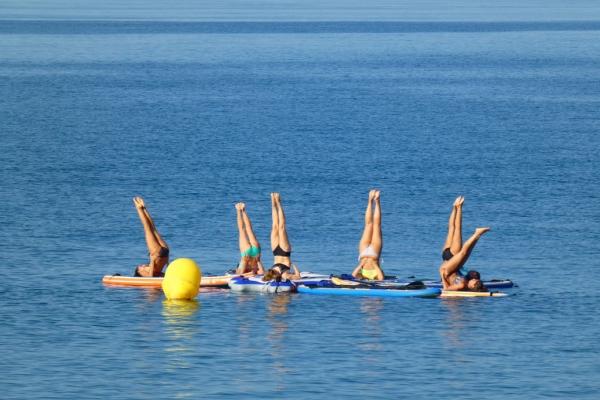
371 242
280 244
249 246
456 254
157 247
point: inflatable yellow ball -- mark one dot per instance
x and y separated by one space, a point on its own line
182 279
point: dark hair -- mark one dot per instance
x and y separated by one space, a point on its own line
272 274
472 275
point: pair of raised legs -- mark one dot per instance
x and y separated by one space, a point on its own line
456 254
158 249
372 236
249 246
453 242
280 244
371 241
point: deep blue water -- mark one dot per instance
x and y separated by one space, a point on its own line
196 111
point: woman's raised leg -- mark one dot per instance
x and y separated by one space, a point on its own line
377 239
284 242
456 244
157 236
243 240
249 231
275 226
452 266
367 234
450 235
152 243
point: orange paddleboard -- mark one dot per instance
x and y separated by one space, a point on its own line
143 282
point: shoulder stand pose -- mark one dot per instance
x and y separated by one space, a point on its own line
157 247
249 246
371 242
282 250
456 254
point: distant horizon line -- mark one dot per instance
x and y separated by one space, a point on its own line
127 26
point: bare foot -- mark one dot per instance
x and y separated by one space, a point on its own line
242 206
371 194
456 201
481 231
238 206
277 197
139 202
461 200
376 196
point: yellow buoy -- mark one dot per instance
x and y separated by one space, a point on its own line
182 279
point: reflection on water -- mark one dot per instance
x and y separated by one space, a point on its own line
371 308
277 316
153 295
278 308
279 305
181 325
179 311
455 323
244 318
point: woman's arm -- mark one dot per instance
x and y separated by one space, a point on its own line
261 269
380 275
295 275
241 267
356 271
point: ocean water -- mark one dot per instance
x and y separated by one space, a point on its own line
195 107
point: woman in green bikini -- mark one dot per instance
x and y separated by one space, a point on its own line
371 242
249 246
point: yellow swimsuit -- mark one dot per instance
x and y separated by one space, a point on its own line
370 274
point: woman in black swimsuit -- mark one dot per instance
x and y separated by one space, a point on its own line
158 249
455 254
282 250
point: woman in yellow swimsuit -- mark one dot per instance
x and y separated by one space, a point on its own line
371 242
157 247
249 246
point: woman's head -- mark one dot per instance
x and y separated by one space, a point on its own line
474 283
272 274
251 261
473 275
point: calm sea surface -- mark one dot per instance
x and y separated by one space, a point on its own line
198 107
